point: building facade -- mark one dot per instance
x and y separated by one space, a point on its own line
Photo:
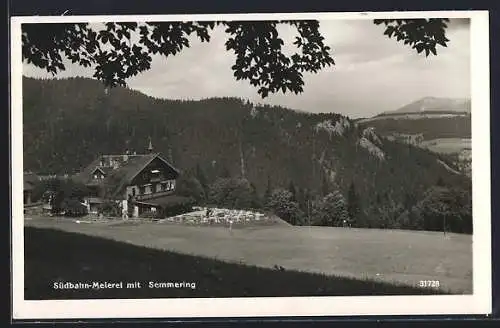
138 183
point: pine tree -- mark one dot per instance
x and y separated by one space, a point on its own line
256 201
325 186
332 210
202 178
408 201
225 172
300 198
291 188
269 190
353 206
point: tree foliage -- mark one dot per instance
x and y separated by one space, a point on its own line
189 186
444 209
423 35
117 51
232 193
282 204
332 210
353 205
61 192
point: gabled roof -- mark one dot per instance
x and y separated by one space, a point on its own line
117 178
103 170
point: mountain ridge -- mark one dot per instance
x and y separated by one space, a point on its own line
431 104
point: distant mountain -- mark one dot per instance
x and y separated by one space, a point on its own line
68 122
433 104
442 125
433 118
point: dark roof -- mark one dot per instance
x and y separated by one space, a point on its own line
104 170
117 178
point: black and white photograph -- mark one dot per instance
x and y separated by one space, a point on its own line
250 165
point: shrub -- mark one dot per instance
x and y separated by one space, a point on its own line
233 193
282 204
109 208
73 208
190 186
181 206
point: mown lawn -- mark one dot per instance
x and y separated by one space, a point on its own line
56 256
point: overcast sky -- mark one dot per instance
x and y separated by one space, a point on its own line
372 73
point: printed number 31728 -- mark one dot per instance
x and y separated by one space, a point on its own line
428 283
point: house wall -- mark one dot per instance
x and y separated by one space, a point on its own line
149 190
156 179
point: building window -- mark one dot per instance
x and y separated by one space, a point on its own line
142 190
133 191
172 185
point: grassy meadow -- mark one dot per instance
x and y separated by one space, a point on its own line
243 262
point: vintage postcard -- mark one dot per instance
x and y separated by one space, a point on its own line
250 165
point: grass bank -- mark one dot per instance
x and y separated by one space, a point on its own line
53 256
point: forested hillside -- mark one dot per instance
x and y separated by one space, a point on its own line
67 123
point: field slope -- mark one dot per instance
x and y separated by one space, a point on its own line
386 256
90 259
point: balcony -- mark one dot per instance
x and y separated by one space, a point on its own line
153 195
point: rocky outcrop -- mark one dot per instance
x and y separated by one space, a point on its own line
369 134
338 128
371 148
